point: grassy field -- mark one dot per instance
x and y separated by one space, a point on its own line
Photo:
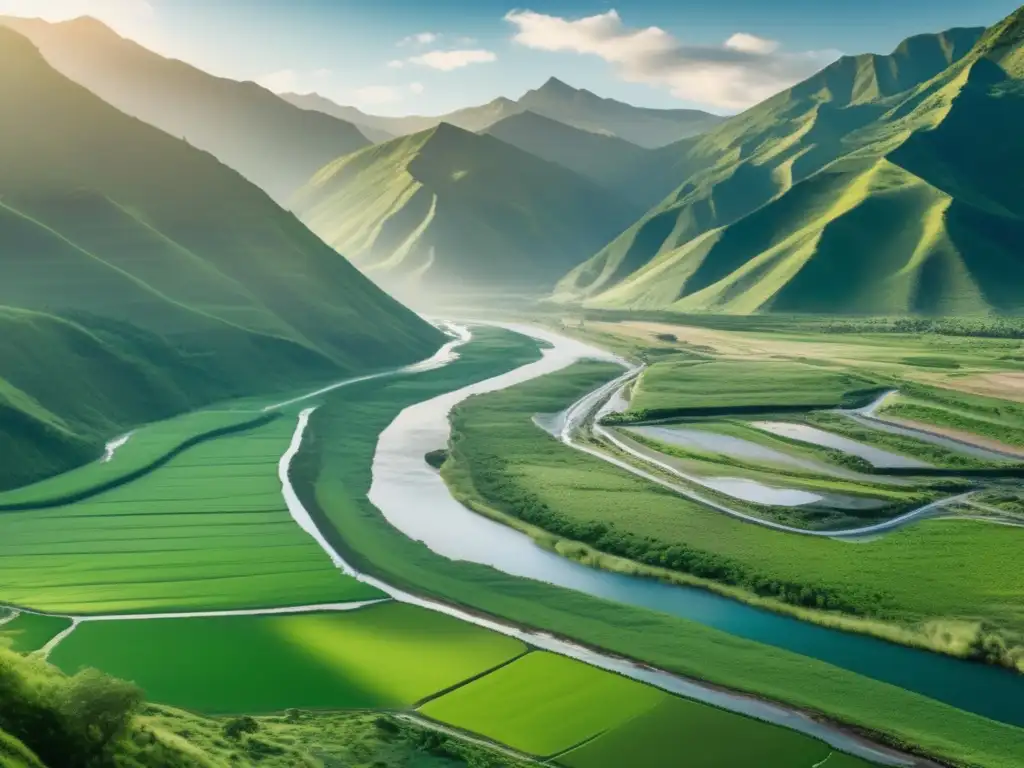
919 577
146 447
384 656
29 632
680 387
707 737
332 475
543 704
210 530
986 417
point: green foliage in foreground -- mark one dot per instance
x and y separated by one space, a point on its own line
680 387
383 656
543 704
332 475
208 531
31 631
933 571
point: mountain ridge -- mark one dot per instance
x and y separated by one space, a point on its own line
274 144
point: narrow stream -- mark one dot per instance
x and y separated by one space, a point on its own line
414 499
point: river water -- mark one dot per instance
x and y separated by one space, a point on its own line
414 499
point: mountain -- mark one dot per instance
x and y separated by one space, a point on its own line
446 210
877 186
555 100
645 127
614 163
275 145
143 278
366 124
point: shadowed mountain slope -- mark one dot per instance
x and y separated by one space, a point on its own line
275 145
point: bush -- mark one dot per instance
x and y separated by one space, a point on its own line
236 726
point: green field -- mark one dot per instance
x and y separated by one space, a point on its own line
210 530
935 571
703 737
986 417
384 656
147 446
679 387
544 704
29 632
332 475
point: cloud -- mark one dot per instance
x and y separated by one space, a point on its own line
742 71
396 64
446 61
296 81
422 38
416 88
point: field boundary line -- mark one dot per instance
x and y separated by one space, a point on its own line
478 676
15 613
47 649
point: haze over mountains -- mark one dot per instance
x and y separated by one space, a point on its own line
881 185
273 144
446 211
142 278
556 100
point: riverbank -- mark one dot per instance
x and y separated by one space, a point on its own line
332 475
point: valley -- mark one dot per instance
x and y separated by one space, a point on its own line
549 430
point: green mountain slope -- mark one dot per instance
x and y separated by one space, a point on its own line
142 278
555 100
275 145
446 210
872 187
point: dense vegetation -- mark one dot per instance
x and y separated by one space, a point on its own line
333 476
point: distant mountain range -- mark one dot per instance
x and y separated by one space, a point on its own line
273 144
141 278
446 211
881 185
556 100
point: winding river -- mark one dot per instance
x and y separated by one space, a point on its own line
414 499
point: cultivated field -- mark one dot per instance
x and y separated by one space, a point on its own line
384 656
210 530
29 632
544 704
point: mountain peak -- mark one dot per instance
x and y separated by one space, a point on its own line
554 85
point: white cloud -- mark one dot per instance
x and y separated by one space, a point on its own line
446 61
296 81
742 71
422 38
416 88
396 64
742 41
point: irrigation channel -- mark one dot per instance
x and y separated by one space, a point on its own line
414 499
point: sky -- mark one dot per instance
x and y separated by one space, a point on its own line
399 57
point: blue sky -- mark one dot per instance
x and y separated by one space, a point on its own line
432 56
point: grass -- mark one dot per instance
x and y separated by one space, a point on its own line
332 475
383 657
707 737
986 417
685 387
543 704
146 448
931 572
29 632
210 530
